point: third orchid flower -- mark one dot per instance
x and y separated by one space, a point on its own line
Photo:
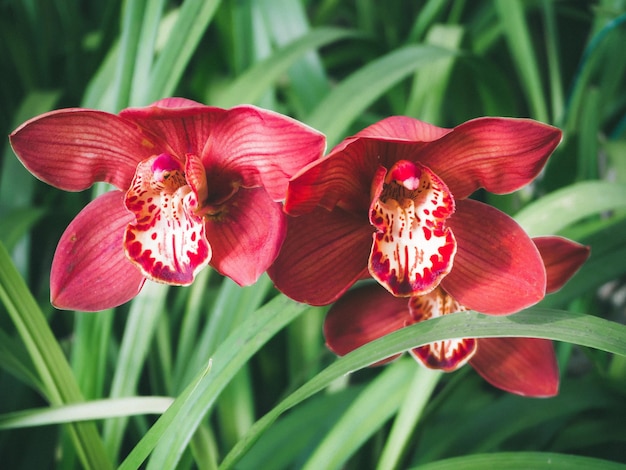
524 366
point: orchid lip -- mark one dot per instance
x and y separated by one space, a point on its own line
167 241
412 248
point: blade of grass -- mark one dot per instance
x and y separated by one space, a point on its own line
409 414
555 211
172 432
88 411
515 27
142 320
353 95
48 359
360 421
193 19
251 85
523 461
577 328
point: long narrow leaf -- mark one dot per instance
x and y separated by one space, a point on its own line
535 322
48 359
552 213
88 411
523 461
360 421
352 96
193 19
175 428
250 86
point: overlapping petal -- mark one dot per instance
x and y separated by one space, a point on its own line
262 147
562 258
184 124
320 261
403 128
362 315
73 148
344 178
497 269
524 366
246 237
90 271
498 154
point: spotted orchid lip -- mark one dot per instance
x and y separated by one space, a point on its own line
167 241
412 248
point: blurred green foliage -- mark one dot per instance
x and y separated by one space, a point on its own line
338 66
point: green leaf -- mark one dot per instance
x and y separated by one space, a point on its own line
173 431
53 369
515 27
142 320
411 410
15 360
132 14
523 461
360 421
18 223
250 86
88 411
559 209
193 19
352 96
304 428
286 21
577 328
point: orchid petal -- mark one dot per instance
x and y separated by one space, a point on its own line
498 154
412 249
73 148
344 177
323 255
524 366
89 270
562 258
254 146
175 102
184 124
497 268
167 240
247 235
403 128
261 147
362 315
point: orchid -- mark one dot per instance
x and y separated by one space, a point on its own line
195 185
392 203
524 366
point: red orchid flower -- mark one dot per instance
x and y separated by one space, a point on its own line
196 185
524 366
391 203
